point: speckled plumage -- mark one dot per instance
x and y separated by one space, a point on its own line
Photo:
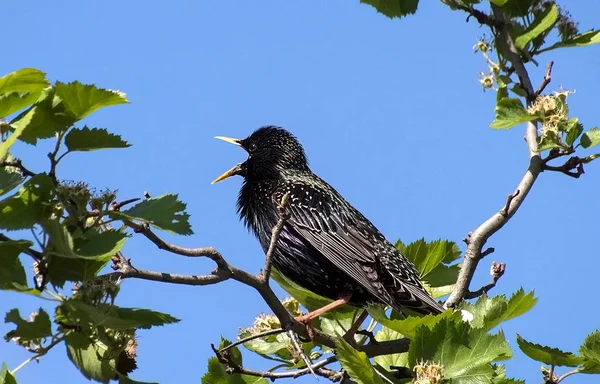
326 245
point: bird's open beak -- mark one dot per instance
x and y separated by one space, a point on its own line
236 170
237 142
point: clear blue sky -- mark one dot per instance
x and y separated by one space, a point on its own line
389 111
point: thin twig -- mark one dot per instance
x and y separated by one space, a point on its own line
38 355
52 156
497 270
555 153
275 233
561 378
315 368
18 164
573 162
298 347
253 337
509 200
488 251
546 81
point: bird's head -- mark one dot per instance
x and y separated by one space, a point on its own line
271 152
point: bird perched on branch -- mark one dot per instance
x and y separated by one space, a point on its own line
326 245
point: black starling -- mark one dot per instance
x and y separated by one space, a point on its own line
326 245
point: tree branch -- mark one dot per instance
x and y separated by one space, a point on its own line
316 367
574 162
276 232
547 80
480 235
497 270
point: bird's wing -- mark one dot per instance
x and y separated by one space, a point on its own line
337 235
347 239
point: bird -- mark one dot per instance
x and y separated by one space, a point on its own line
326 245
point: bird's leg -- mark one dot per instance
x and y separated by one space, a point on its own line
306 319
349 336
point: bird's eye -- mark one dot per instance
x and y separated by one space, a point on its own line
252 147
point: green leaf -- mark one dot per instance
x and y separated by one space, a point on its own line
82 100
586 38
498 2
573 129
590 351
518 90
10 178
42 120
102 244
393 8
89 356
541 24
548 140
67 263
590 138
488 312
217 373
86 139
111 316
464 352
5 376
25 208
395 359
408 326
510 113
13 102
356 363
23 80
431 260
37 328
267 345
547 355
308 299
12 273
164 212
500 376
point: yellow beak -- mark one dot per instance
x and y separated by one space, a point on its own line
230 140
232 172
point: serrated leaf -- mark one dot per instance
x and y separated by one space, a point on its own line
431 260
586 38
509 113
38 328
67 263
590 351
393 8
86 139
26 207
12 273
488 312
165 212
356 363
267 345
541 24
408 326
548 355
500 376
23 80
83 99
89 357
395 359
590 138
13 102
111 316
573 130
465 352
518 90
43 119
10 178
5 376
